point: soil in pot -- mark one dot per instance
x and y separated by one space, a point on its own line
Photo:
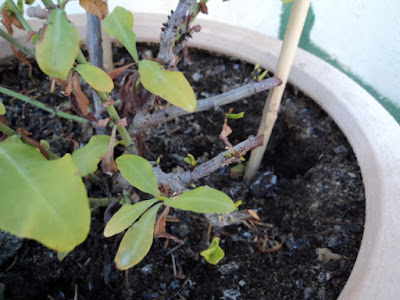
308 194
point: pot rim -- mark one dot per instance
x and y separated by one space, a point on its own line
370 129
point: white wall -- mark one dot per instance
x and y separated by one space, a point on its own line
362 35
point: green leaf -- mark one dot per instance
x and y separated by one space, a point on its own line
12 139
120 25
213 254
42 200
137 241
170 85
88 157
95 77
203 200
235 116
126 216
2 108
286 1
59 45
138 172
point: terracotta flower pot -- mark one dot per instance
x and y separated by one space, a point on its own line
369 128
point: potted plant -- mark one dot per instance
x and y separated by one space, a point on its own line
371 141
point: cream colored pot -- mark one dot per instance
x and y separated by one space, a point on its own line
371 131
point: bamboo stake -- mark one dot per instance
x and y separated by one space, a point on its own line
290 42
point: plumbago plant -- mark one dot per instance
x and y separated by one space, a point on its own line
43 196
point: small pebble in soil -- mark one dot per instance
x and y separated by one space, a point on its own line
197 76
321 294
147 269
299 283
308 293
325 255
322 277
229 268
242 283
183 230
231 294
9 246
263 182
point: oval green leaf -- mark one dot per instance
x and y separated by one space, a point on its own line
95 77
138 172
137 241
203 200
88 157
58 47
2 108
126 216
170 85
120 25
213 254
42 200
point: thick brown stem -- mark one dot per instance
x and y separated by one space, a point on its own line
179 182
144 121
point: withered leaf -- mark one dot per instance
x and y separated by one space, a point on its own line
114 73
159 229
21 57
6 20
95 7
225 132
79 101
108 163
25 137
103 123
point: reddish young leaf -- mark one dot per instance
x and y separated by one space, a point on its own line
95 7
203 8
6 20
159 229
114 73
226 130
109 166
25 137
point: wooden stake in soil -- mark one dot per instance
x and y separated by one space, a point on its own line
286 57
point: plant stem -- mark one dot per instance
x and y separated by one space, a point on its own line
13 41
7 130
179 182
291 40
42 106
49 4
19 15
95 50
97 202
112 112
144 121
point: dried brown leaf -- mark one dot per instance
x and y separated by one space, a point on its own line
109 166
159 229
114 73
25 137
122 122
16 22
6 20
21 57
95 7
225 132
82 100
103 123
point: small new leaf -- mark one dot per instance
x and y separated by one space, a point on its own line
170 85
120 25
137 241
213 254
235 116
138 172
126 216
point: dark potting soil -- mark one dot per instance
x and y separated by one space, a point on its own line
308 194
